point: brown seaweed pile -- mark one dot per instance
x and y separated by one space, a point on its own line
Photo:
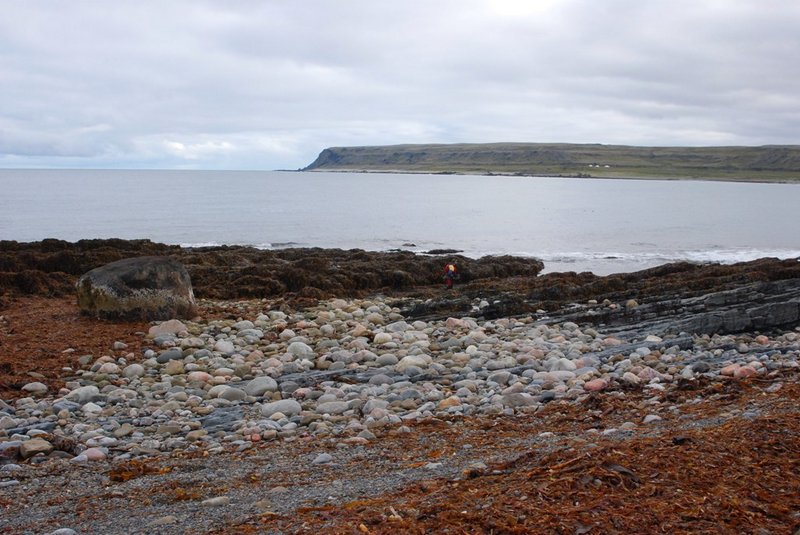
51 267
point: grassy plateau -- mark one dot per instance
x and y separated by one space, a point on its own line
769 163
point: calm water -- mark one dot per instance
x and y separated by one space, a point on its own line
603 226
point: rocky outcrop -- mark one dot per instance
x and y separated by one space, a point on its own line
760 306
143 288
51 267
751 296
690 297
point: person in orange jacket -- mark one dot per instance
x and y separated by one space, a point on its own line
449 275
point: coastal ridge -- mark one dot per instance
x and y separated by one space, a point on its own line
769 163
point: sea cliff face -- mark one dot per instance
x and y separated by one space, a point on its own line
766 163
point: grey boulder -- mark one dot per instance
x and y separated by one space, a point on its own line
135 289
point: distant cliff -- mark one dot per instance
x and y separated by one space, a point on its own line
766 163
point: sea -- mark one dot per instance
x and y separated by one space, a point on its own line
599 225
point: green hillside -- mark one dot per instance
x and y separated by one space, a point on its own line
773 163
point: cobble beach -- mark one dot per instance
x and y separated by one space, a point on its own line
391 413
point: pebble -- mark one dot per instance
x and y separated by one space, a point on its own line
596 385
94 454
83 394
29 448
168 355
163 521
224 346
233 394
174 367
382 338
198 377
133 370
452 401
287 407
35 388
260 386
216 502
322 458
332 407
744 372
730 370
301 350
227 385
172 326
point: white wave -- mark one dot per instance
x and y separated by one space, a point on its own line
201 244
598 262
607 262
724 256
262 246
730 256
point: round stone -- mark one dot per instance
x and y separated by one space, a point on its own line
224 346
133 370
260 386
301 350
35 388
332 407
94 454
109 368
382 338
233 394
595 385
288 407
322 458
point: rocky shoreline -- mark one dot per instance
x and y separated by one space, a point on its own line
579 362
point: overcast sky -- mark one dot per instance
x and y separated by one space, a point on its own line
268 84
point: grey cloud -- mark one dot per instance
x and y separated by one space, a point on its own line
257 84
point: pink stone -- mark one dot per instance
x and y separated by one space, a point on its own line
744 372
595 385
94 454
197 376
167 327
647 374
301 393
454 323
761 339
729 370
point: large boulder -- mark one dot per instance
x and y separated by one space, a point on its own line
143 288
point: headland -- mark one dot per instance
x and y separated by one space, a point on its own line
771 163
